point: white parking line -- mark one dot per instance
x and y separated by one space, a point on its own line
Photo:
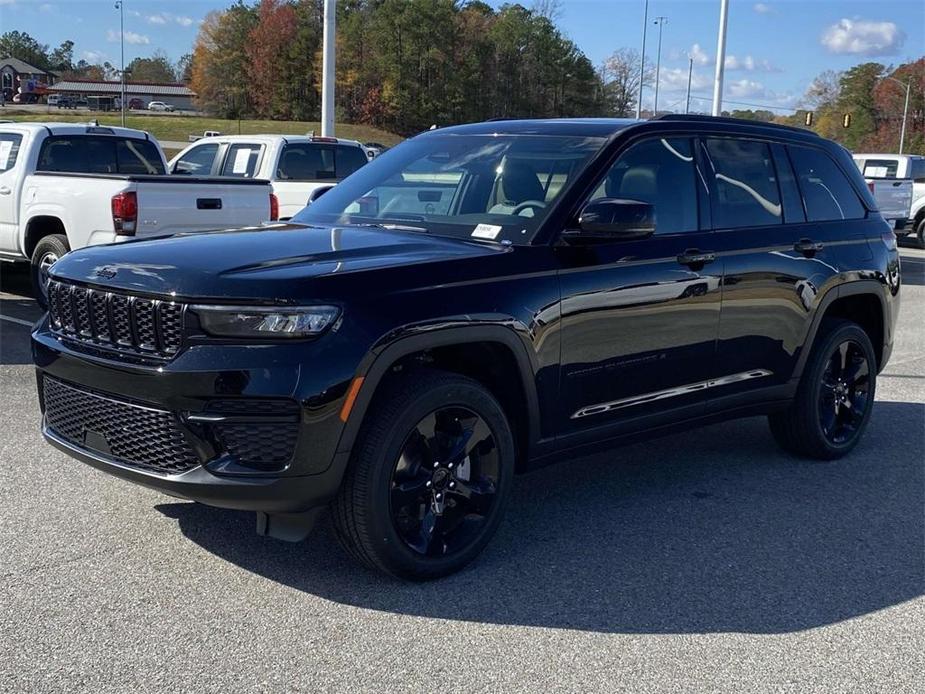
28 324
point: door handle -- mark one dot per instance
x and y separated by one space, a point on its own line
808 247
5 190
693 257
208 203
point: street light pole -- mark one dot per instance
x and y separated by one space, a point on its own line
327 68
720 58
119 7
690 74
661 21
902 130
642 61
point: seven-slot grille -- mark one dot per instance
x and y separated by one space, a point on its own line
116 321
131 433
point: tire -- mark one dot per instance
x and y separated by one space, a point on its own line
407 541
918 237
809 428
47 251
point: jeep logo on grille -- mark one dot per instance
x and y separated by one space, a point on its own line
106 272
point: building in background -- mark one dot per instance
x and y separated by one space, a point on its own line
19 77
177 95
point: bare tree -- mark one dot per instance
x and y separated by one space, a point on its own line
620 76
550 9
824 90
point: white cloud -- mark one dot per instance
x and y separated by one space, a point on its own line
7 2
94 56
699 55
675 79
762 8
746 89
863 37
46 7
749 64
164 18
184 21
130 37
160 19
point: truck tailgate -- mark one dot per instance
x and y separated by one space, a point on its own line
893 196
168 204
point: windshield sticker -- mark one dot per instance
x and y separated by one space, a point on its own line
5 148
241 158
486 231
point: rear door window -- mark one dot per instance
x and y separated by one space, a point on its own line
241 160
9 150
198 161
310 161
745 180
827 192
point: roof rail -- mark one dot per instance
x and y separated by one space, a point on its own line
697 118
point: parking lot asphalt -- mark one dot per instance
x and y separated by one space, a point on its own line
703 561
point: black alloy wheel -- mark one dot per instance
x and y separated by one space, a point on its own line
445 481
845 393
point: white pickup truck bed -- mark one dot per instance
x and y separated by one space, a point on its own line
64 186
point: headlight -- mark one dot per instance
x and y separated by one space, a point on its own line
259 322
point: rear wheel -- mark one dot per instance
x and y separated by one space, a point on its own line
430 475
919 233
834 398
47 252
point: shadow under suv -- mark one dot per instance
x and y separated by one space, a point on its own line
477 301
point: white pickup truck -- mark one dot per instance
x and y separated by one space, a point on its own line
64 186
897 182
298 167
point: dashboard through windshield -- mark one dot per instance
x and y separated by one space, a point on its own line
489 187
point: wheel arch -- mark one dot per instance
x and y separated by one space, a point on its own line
444 349
861 301
38 227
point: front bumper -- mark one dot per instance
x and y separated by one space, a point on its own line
185 389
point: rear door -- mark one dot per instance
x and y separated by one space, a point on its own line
12 171
640 317
787 222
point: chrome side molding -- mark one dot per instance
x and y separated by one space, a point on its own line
670 393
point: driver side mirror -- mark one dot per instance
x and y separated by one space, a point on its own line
317 193
616 219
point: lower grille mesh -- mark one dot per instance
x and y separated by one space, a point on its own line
135 435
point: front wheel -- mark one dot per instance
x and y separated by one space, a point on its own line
834 398
429 478
919 234
47 252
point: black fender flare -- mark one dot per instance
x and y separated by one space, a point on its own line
375 366
852 288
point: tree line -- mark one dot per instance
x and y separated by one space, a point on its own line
401 64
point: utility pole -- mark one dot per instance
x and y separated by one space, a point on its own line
690 74
327 68
720 58
661 21
642 61
119 7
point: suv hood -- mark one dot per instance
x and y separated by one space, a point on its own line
255 262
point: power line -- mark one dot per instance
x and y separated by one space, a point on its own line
748 103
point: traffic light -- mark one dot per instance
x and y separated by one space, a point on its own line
809 119
846 121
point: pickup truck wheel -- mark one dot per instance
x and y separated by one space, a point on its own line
834 398
920 233
47 252
429 478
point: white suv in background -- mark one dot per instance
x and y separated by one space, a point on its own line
160 106
296 166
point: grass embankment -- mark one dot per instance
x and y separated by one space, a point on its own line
174 128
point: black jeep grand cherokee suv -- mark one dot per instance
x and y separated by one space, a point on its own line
477 301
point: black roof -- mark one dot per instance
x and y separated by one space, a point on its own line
582 127
605 127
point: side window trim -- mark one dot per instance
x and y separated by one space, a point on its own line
780 157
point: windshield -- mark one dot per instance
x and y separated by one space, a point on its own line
493 187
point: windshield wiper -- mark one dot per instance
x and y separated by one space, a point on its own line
388 226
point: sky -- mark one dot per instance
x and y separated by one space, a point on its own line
774 48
